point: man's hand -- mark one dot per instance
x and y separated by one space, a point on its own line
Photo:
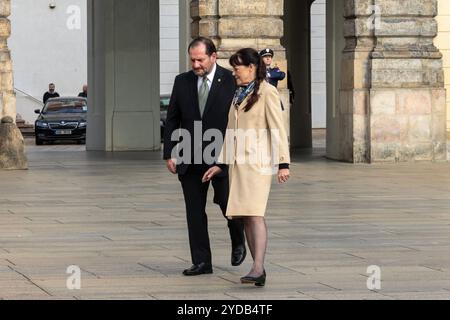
172 166
283 175
211 173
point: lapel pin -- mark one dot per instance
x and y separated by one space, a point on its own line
220 80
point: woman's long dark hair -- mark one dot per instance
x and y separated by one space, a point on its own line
246 57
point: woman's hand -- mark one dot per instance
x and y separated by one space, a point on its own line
283 175
172 166
211 173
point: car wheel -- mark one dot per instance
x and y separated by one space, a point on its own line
39 142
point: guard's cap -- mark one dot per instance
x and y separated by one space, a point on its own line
266 52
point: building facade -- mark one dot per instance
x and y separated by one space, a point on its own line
49 44
386 98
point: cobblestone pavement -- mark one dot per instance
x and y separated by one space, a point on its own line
120 218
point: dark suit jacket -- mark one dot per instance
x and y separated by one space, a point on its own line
49 95
184 110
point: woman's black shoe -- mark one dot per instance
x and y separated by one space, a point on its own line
257 281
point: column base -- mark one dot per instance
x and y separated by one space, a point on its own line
12 146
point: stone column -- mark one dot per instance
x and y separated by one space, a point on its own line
351 116
7 95
407 98
257 24
392 101
12 147
239 24
205 19
442 42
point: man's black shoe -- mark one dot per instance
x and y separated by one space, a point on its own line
238 255
198 269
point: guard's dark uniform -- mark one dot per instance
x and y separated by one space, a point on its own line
274 75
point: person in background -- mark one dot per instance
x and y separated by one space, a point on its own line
273 74
51 93
84 93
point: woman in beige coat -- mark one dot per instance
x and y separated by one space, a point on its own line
255 148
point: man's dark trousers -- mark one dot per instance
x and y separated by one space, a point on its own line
195 194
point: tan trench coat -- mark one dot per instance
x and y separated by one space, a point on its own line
256 143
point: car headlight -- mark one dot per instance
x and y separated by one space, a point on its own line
82 125
41 124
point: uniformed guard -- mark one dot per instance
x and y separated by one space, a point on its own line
273 74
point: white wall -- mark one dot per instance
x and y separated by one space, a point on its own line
169 43
45 49
318 64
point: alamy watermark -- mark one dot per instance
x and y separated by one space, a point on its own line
259 148
374 20
74 20
74 280
374 280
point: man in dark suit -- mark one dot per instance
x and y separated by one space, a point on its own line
202 98
84 93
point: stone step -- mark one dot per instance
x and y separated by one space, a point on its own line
26 129
27 132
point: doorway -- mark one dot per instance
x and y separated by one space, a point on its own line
314 42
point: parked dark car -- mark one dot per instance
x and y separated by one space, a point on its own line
164 104
62 119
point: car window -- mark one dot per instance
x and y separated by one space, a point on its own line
164 103
65 107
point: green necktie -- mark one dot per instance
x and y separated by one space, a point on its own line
203 95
